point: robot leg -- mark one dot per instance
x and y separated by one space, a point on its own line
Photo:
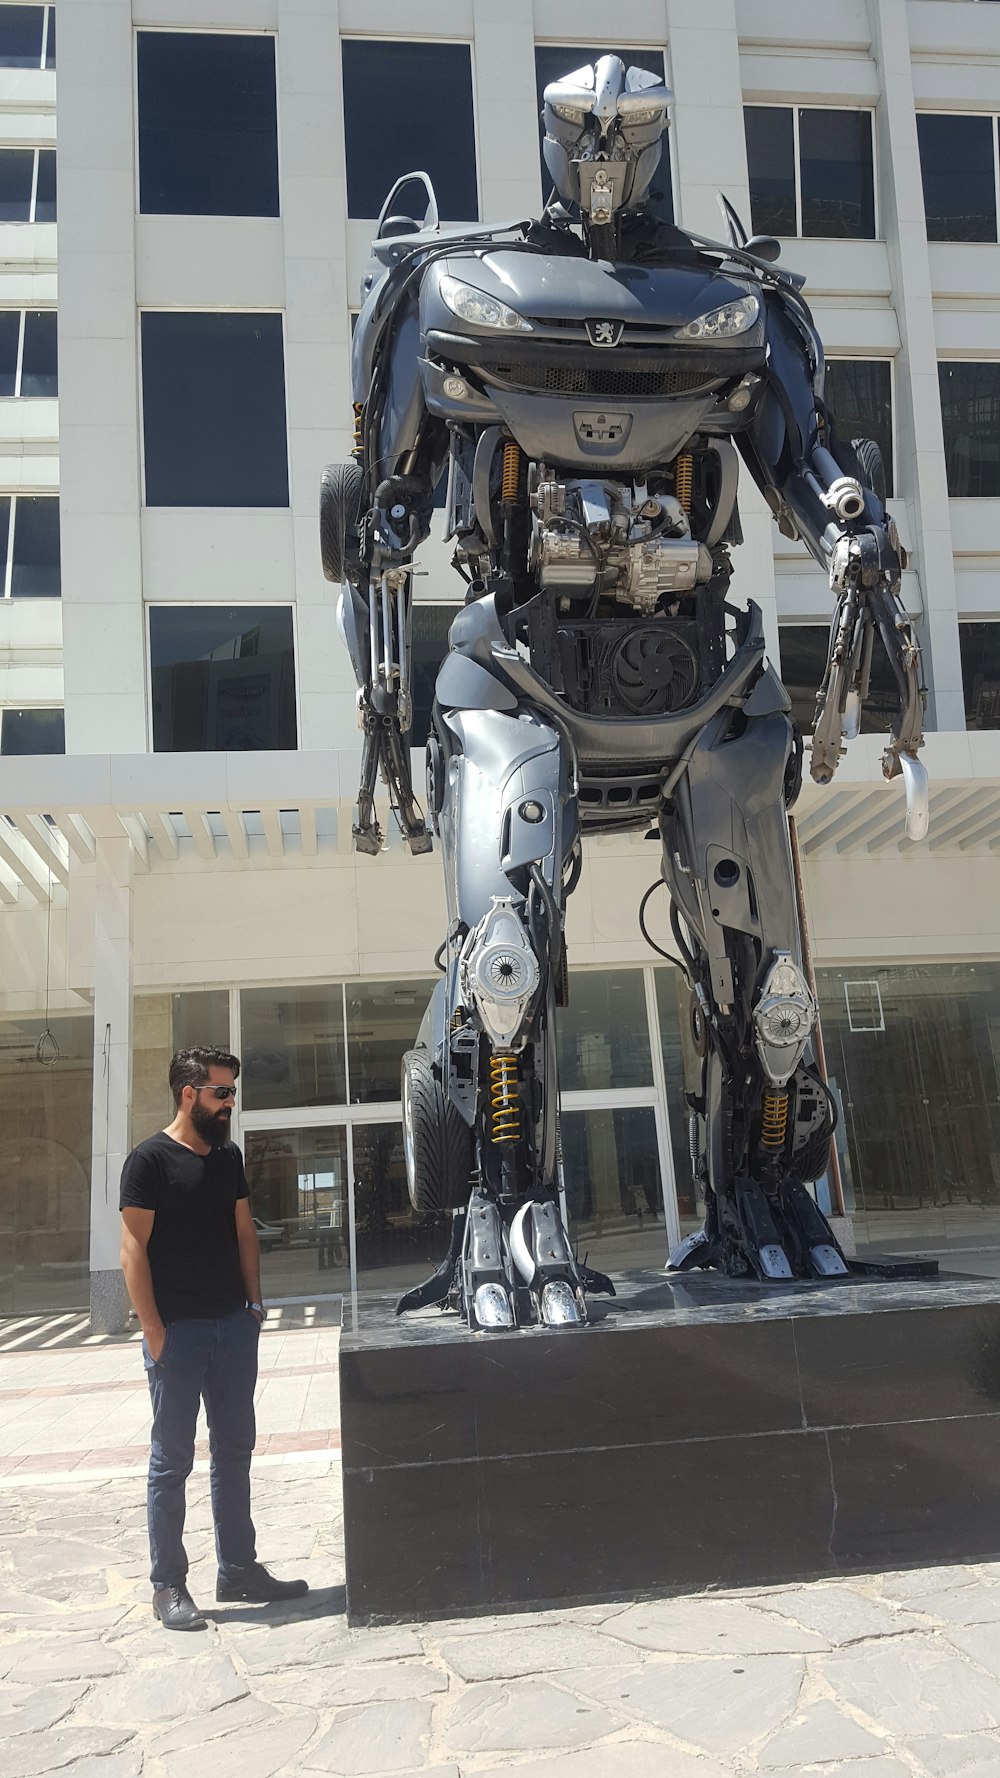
503 805
762 1119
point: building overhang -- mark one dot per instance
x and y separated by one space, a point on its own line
240 807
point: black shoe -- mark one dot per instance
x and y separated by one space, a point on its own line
176 1609
257 1586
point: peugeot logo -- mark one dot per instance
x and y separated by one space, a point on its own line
605 333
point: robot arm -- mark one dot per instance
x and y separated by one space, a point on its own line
821 490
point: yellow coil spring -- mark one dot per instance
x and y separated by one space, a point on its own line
774 1119
358 430
511 470
684 479
505 1111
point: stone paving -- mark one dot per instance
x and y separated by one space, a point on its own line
881 1677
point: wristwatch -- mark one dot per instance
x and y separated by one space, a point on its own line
258 1309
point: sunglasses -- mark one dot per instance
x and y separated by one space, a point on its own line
221 1093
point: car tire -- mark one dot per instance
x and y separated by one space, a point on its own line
437 1143
339 505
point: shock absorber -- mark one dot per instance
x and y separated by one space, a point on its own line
359 443
511 469
774 1119
684 480
505 1108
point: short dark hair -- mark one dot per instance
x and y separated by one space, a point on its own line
189 1068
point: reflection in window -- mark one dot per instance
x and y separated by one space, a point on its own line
299 1199
32 731
603 1034
292 1047
161 1024
28 362
382 1021
27 184
553 61
959 176
922 1103
29 542
380 80
17 175
27 36
208 131
970 416
980 646
837 174
859 395
431 624
223 679
833 149
395 1246
770 133
45 1149
803 662
614 1194
682 1071
213 398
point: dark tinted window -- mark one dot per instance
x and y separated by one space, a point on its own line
208 132
770 134
45 194
33 731
859 394
39 358
431 624
21 29
956 163
970 414
213 391
223 679
10 334
803 663
553 61
17 170
838 183
421 94
35 572
980 645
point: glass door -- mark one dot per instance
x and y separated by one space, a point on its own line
299 1193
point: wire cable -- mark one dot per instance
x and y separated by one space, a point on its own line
668 955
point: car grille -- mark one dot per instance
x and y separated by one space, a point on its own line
603 380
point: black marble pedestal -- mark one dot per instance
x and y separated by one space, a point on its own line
699 1433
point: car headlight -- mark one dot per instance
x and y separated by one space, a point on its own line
724 323
470 304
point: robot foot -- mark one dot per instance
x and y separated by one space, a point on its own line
443 1285
775 1240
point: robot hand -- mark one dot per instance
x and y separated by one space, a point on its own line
864 577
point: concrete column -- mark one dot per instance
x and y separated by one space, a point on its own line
920 441
112 1078
99 445
710 155
506 109
317 339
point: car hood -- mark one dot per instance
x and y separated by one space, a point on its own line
546 288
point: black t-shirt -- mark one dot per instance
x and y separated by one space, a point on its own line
193 1251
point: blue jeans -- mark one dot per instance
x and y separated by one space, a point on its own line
215 1360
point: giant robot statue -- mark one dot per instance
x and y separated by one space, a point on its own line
584 383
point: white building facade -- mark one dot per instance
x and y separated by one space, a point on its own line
178 747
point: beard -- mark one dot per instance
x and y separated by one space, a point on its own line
212 1126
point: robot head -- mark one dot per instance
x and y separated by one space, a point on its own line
604 132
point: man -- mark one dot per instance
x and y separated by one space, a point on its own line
191 1261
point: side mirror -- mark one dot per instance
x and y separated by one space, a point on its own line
397 225
764 247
